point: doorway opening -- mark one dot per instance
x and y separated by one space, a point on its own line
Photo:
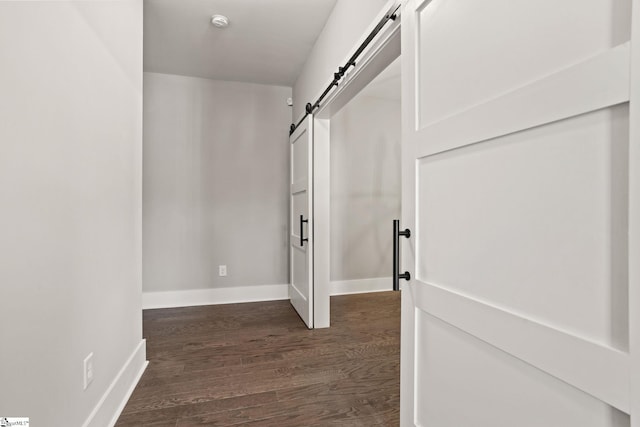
357 177
365 186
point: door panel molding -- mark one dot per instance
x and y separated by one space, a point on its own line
600 371
529 106
299 186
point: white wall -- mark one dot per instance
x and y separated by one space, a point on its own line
345 29
216 165
70 216
365 187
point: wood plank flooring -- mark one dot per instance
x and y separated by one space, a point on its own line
257 364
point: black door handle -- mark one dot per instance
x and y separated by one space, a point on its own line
396 254
302 230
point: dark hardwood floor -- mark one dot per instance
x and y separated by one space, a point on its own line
257 364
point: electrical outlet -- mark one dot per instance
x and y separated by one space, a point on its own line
88 370
222 270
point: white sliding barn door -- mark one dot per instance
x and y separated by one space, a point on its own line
517 192
301 221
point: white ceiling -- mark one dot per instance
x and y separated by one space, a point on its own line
267 41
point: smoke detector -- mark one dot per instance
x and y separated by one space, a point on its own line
220 21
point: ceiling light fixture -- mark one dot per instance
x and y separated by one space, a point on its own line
220 21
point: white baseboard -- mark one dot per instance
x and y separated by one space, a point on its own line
359 286
240 294
213 296
110 406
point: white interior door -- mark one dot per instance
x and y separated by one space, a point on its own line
517 191
301 221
